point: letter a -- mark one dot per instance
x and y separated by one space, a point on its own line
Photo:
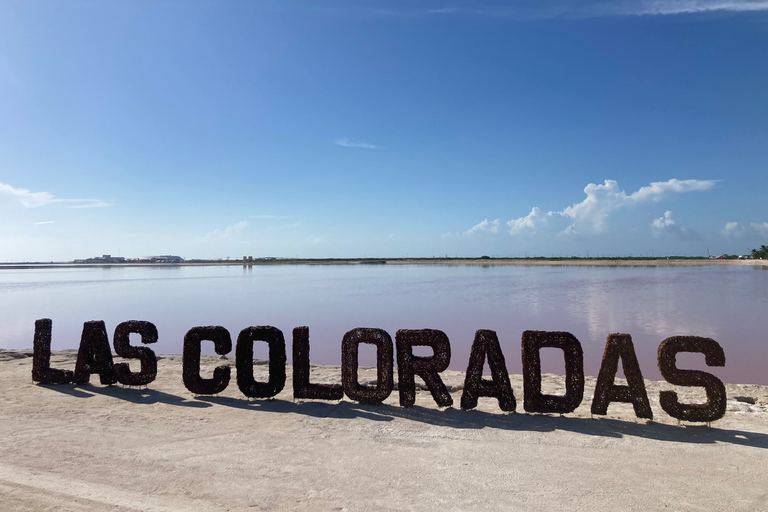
619 346
486 343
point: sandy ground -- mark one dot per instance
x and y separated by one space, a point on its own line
98 448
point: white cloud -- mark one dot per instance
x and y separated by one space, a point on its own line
347 144
589 9
529 223
85 203
491 226
667 7
29 199
666 226
733 230
486 225
228 232
593 213
43 223
290 225
660 189
761 228
594 210
736 230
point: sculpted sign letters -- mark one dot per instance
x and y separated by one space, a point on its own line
95 357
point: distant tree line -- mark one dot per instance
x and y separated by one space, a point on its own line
761 253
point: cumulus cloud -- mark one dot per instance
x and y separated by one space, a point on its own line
592 214
486 225
228 232
593 211
666 226
29 199
347 144
736 230
529 223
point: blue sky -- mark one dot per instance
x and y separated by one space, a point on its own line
215 129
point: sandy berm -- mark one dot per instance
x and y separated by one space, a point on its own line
112 448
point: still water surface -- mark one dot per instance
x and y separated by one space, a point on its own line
728 304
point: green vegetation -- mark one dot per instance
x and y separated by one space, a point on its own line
761 253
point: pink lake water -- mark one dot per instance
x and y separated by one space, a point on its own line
728 304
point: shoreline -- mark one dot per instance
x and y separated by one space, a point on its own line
551 262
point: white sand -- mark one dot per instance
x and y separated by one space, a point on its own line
97 448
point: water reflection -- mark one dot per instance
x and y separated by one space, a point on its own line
724 303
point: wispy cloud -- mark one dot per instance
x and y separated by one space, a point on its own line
29 199
228 232
271 216
85 203
666 226
592 214
347 144
290 225
44 222
671 7
527 11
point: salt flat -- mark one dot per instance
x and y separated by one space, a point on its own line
98 448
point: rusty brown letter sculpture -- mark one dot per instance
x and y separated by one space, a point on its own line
533 399
41 356
384 365
123 347
619 346
222 343
301 386
428 368
244 361
714 408
94 355
486 344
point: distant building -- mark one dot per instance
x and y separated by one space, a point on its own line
106 258
162 259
